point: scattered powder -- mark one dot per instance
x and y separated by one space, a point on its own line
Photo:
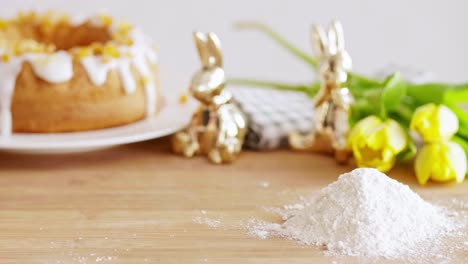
262 230
264 184
207 221
365 213
459 204
104 258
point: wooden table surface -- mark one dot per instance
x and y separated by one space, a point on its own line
137 204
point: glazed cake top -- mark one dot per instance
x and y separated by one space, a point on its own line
50 32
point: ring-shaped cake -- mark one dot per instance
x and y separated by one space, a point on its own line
60 74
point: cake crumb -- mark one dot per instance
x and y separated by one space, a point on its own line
183 98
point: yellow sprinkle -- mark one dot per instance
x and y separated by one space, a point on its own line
111 51
5 58
105 20
83 52
183 99
17 51
122 38
3 24
26 17
96 48
30 45
124 27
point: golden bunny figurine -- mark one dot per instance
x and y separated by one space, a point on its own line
218 127
332 103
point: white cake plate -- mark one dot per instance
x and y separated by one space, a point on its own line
173 117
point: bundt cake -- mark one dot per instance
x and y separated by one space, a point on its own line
60 74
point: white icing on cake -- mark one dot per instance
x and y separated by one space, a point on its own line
126 76
8 74
152 56
54 68
141 65
96 69
58 67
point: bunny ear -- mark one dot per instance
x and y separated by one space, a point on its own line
214 46
202 47
336 36
319 41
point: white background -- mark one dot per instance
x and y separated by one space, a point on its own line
428 35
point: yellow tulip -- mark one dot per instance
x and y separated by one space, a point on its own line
441 161
434 122
376 143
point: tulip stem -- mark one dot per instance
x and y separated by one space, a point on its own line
310 89
252 25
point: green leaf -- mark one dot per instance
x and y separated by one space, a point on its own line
278 39
360 109
463 130
392 94
433 92
403 113
409 153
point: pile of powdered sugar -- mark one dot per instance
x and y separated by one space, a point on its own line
365 213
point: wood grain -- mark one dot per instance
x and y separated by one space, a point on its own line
137 203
